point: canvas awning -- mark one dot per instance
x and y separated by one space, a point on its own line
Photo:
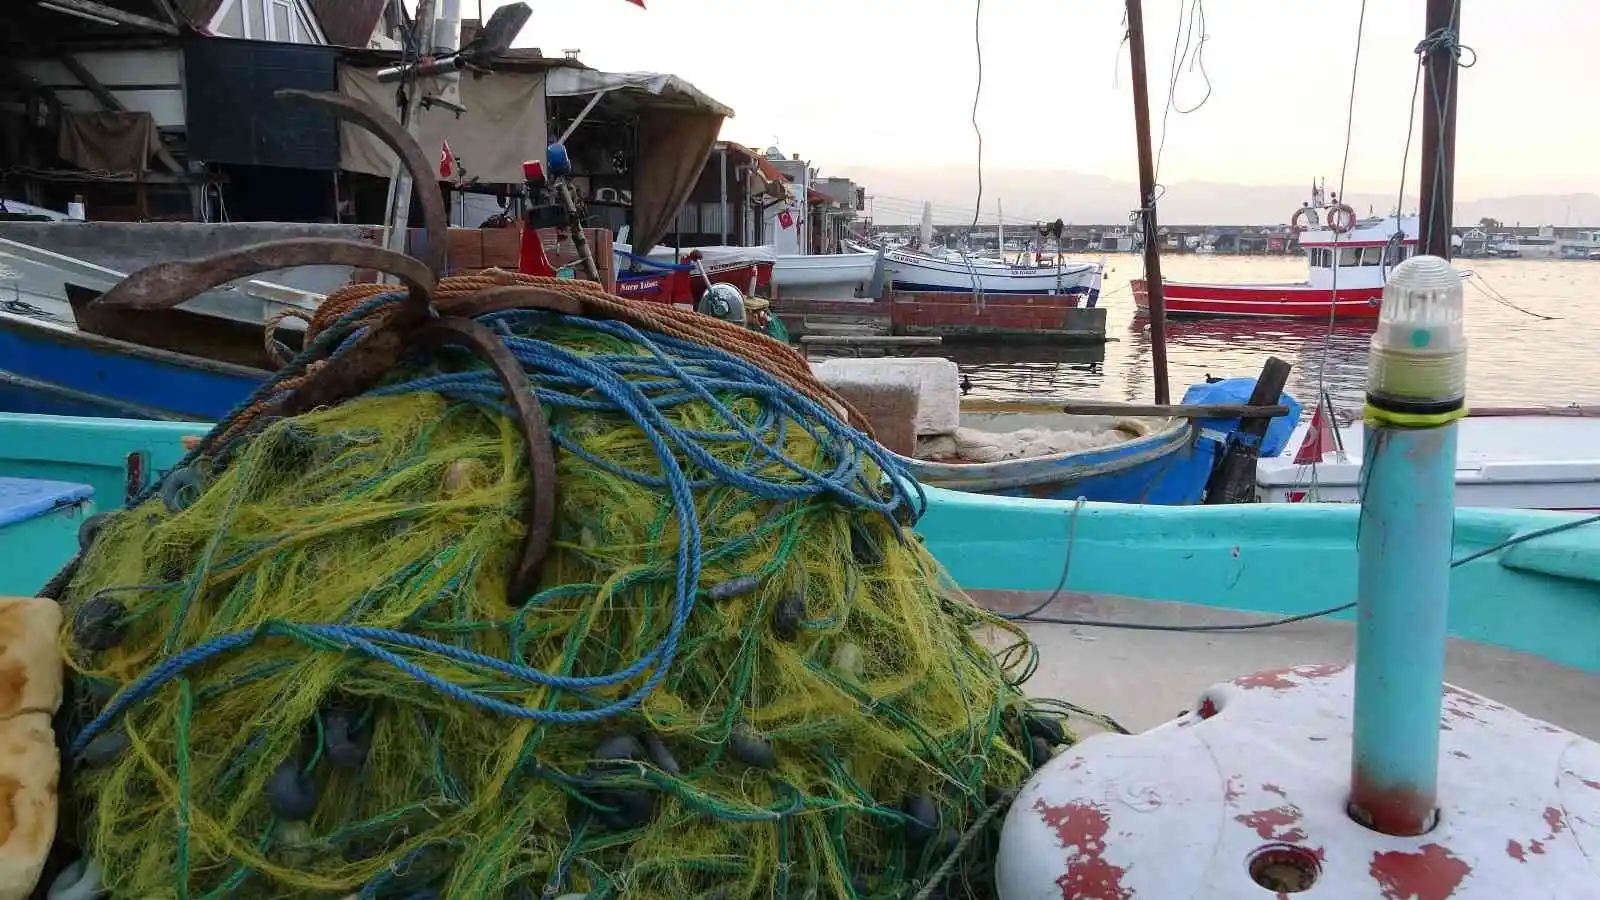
651 89
678 126
504 124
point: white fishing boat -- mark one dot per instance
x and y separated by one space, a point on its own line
911 271
830 276
1532 458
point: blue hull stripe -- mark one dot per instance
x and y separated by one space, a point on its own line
124 380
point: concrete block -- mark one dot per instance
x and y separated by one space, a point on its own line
938 384
889 402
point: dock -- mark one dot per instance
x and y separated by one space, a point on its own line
1054 319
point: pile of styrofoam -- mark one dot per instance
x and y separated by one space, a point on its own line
972 445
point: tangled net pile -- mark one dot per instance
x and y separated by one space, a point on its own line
298 671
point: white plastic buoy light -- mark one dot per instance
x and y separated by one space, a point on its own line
1416 390
1418 368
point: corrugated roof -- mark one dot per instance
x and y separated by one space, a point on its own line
348 23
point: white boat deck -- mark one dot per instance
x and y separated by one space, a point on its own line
1527 462
1144 678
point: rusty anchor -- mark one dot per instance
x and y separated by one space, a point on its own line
420 322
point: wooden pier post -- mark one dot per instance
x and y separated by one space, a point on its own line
1147 203
1439 77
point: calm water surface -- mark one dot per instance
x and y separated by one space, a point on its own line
1513 358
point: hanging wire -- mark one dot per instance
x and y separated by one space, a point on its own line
977 96
1314 490
1195 15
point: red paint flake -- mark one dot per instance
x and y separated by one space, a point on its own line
1275 824
1207 708
1536 847
1279 679
1552 817
1590 784
1514 850
1429 874
1082 827
1272 788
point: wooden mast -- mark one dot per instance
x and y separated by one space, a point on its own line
1154 289
1439 129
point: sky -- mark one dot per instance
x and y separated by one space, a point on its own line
883 85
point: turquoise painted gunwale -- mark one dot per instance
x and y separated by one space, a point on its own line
1541 597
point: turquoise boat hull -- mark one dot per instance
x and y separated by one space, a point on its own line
1540 598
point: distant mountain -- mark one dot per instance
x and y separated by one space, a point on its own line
1029 194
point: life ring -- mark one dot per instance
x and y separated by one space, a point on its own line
1306 213
1341 218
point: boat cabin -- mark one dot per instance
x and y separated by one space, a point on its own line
1362 257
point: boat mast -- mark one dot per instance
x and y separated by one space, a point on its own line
1439 128
1147 202
1000 214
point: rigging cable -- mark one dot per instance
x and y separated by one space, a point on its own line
1333 297
1032 616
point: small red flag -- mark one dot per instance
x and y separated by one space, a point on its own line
785 219
1318 440
447 161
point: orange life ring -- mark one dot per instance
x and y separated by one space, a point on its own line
1308 213
1341 218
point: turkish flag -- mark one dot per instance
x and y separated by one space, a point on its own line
785 219
447 161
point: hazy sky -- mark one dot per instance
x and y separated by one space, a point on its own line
890 82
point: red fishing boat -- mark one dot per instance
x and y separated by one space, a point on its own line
1348 262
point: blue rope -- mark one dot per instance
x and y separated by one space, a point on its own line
670 372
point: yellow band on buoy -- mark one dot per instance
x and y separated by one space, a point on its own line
1374 415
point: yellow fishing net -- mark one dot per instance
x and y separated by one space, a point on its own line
298 672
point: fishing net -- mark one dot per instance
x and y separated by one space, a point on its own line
299 672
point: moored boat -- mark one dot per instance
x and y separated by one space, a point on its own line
824 276
1347 264
1052 449
680 277
920 272
1522 458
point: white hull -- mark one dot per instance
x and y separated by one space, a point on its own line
917 272
837 276
1510 462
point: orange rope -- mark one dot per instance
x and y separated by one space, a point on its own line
758 348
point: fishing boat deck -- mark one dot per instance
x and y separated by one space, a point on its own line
1143 678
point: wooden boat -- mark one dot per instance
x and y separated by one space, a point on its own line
1125 460
1107 452
670 276
67 357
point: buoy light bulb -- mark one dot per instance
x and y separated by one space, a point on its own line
1417 373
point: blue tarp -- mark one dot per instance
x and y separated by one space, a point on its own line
1237 390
